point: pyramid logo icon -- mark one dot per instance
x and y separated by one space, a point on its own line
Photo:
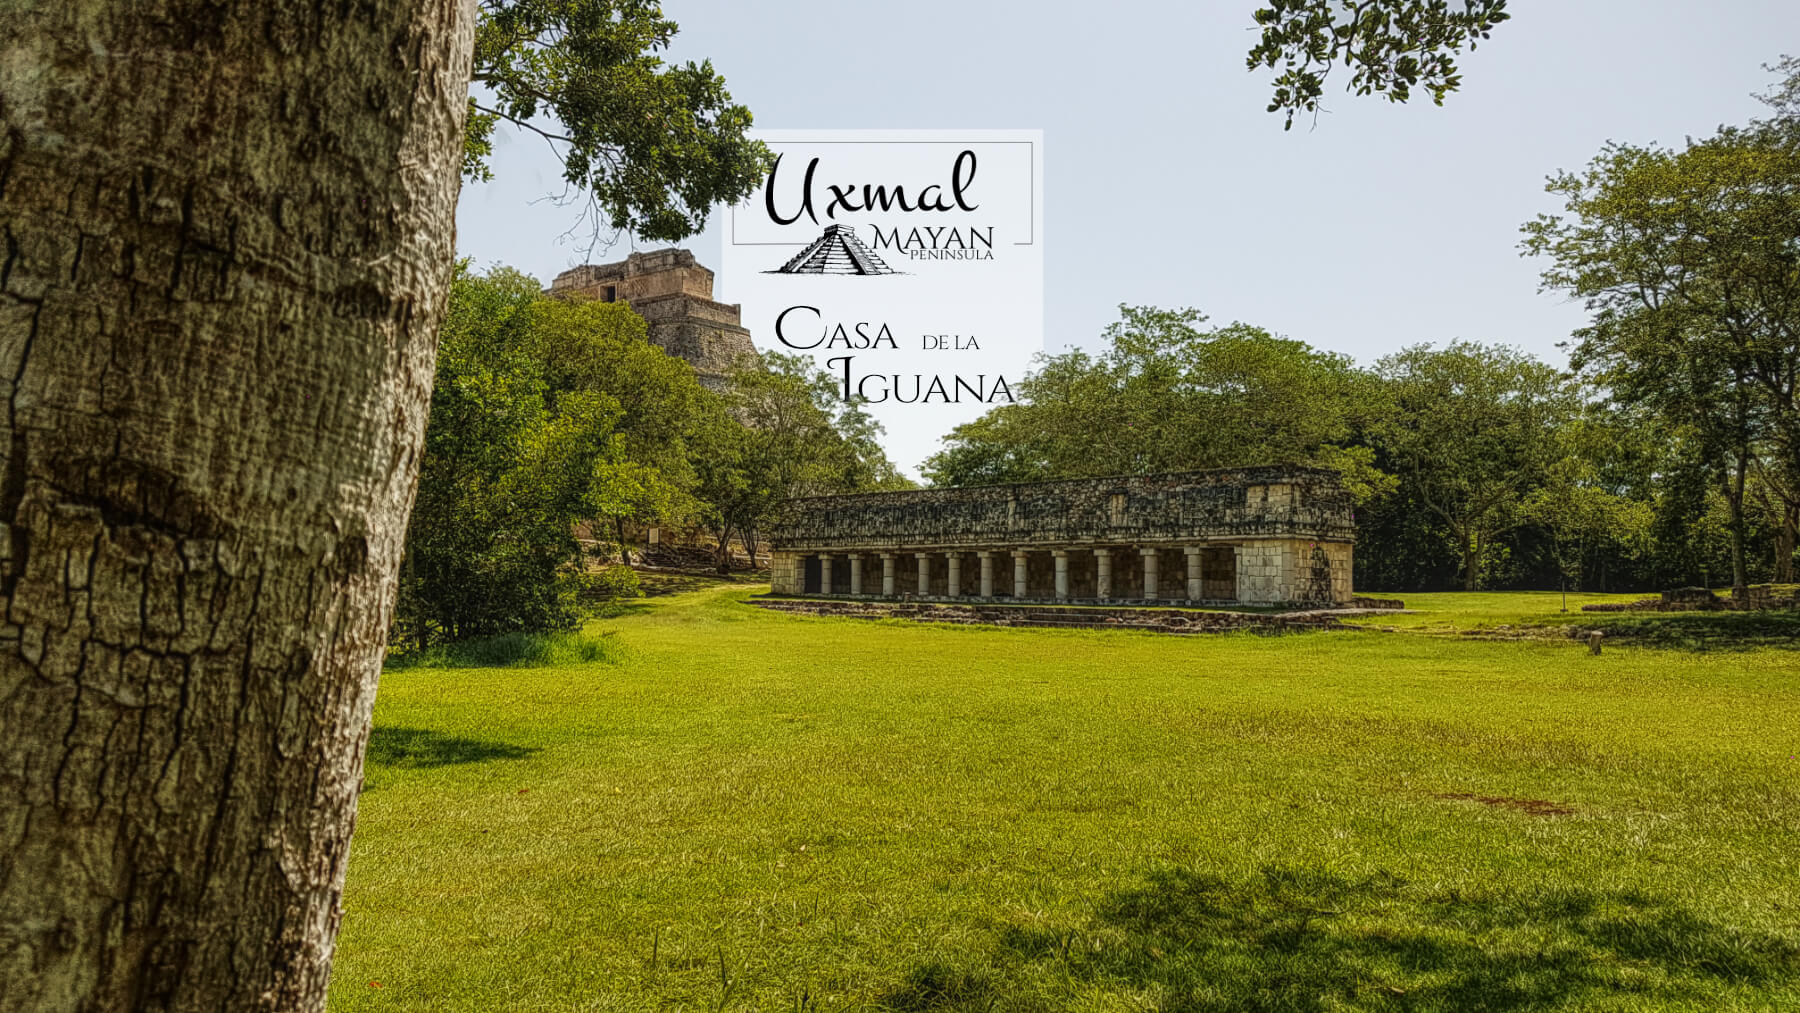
836 251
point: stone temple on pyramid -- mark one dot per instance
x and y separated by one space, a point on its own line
673 293
836 251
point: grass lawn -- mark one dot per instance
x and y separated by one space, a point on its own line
722 808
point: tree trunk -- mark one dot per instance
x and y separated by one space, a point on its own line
1471 560
624 550
724 549
1734 501
228 234
1787 539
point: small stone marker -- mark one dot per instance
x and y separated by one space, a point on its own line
1594 639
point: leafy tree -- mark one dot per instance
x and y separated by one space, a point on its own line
652 147
1689 261
1389 47
228 239
859 462
587 345
993 449
1181 397
1773 492
1582 503
219 315
784 433
516 453
1473 432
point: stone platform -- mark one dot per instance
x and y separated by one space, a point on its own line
1278 535
1155 620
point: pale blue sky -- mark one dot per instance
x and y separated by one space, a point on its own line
1167 184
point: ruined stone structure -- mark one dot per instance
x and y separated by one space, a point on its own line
673 293
1276 535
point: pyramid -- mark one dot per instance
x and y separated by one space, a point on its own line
836 251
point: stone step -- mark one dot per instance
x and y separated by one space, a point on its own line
1159 620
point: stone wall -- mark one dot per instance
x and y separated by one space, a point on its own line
784 572
638 276
1239 503
1291 570
1271 535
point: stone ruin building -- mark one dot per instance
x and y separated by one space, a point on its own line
673 293
1278 535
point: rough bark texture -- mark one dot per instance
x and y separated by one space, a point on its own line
225 241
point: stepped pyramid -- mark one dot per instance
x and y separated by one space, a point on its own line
836 251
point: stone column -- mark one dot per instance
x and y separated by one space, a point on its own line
1193 572
1021 573
856 573
824 573
1149 573
954 588
887 574
1103 573
987 573
924 572
1062 573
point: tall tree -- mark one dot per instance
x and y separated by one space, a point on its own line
1473 433
1585 500
228 236
783 433
522 444
1184 395
1689 261
227 239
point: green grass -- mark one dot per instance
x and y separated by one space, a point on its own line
1457 611
745 810
1539 613
513 649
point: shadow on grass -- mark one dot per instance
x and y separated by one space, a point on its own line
1701 631
418 748
1294 939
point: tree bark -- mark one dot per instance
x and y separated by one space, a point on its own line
1786 540
1471 561
1734 502
227 241
724 550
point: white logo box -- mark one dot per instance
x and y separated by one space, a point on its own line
907 263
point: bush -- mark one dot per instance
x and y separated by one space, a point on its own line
513 650
614 582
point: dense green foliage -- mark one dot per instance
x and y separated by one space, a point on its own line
742 811
651 147
1669 454
1389 47
549 414
1166 395
1473 464
785 433
1689 260
1472 431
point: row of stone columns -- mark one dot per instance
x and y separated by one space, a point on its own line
1102 560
